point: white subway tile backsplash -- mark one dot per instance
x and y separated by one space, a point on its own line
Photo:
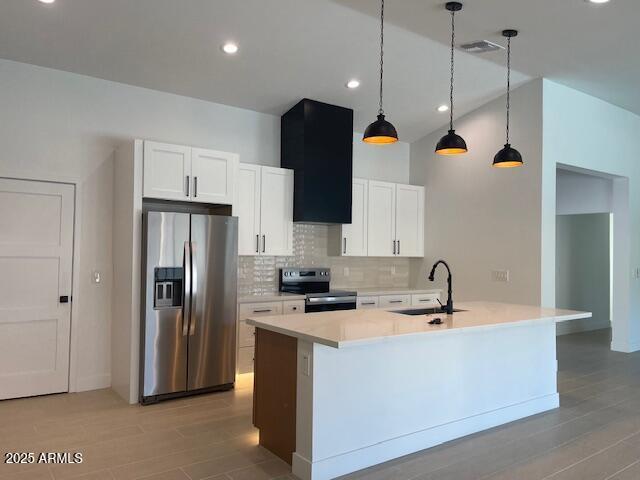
259 274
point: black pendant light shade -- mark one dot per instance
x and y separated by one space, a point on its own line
452 143
381 132
508 157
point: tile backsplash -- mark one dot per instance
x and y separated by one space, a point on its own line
259 274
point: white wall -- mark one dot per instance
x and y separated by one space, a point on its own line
587 133
582 269
480 218
65 127
578 193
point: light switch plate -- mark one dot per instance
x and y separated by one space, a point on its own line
500 275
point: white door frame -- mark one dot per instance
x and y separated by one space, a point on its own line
75 279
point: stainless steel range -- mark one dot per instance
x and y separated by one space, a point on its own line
314 283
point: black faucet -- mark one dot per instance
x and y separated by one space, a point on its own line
448 308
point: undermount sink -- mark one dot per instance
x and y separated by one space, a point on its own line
424 311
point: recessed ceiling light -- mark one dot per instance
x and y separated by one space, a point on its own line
598 1
353 83
46 1
230 48
443 108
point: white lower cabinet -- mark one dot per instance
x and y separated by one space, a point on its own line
426 300
394 301
246 333
367 302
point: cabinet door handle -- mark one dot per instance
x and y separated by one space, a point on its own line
264 243
368 303
195 187
398 247
257 243
187 186
264 310
394 247
395 301
344 245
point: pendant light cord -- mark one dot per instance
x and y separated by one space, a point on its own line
380 110
453 42
508 83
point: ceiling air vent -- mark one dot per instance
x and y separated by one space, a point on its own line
481 46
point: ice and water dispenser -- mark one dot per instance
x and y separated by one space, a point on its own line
168 283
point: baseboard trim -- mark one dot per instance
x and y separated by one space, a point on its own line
626 347
93 382
349 462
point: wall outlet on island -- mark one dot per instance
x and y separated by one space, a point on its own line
500 275
345 271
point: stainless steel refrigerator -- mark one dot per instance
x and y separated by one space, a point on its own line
188 337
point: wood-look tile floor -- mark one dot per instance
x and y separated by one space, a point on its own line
595 434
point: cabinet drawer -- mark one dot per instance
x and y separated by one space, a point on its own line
245 359
367 302
246 334
425 300
292 306
394 301
260 309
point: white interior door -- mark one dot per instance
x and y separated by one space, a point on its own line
36 245
167 171
382 219
410 220
354 235
247 209
276 211
214 176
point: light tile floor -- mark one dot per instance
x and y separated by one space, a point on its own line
595 434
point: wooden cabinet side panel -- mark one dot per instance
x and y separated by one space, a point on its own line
274 394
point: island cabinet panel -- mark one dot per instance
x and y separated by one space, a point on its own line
274 394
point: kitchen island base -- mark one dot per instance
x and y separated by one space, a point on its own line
372 387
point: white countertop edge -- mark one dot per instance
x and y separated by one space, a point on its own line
435 331
266 298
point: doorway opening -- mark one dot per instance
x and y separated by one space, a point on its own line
592 254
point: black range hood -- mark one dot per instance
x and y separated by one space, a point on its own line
317 143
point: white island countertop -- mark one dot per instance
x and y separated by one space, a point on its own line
346 328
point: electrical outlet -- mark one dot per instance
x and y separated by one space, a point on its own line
97 277
500 275
345 271
306 364
393 270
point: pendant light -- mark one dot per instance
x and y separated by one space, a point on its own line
452 143
508 157
381 132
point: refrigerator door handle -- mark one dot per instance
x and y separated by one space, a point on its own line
194 289
186 296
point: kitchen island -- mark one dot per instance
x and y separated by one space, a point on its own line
339 391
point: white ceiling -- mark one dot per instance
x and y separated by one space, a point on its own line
290 49
585 46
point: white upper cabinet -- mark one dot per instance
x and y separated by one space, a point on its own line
247 209
409 221
395 220
382 219
166 171
176 172
276 211
354 235
264 207
214 175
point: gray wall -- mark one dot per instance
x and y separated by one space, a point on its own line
480 218
582 269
